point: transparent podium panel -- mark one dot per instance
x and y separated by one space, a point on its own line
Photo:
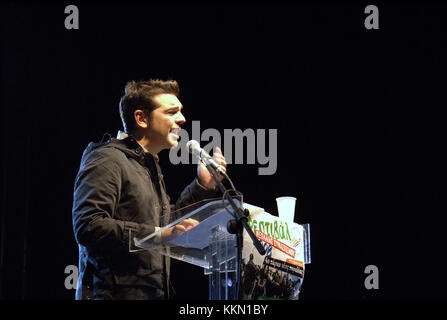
205 243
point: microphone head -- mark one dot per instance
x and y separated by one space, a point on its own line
193 147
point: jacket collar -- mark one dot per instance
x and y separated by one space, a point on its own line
123 135
133 144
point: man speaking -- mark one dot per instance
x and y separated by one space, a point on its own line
119 190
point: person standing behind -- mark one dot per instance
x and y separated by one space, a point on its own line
119 190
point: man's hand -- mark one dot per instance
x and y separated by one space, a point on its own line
205 178
178 229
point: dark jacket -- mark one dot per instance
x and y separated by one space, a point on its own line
119 190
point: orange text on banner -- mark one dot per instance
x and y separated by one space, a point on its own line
295 262
275 243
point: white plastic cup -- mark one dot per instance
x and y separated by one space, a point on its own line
286 208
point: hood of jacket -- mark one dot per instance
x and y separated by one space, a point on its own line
129 146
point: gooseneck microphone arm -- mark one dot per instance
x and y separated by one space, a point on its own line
241 214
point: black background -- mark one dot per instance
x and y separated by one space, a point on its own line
360 119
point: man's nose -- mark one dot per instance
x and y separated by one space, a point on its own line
180 119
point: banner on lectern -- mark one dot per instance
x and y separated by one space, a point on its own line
280 272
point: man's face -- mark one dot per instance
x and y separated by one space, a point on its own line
165 122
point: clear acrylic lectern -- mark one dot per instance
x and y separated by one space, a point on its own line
208 244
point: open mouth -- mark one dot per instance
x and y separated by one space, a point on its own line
175 133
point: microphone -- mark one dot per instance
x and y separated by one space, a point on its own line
194 148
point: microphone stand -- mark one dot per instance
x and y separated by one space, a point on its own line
235 226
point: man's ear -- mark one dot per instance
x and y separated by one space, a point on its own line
141 118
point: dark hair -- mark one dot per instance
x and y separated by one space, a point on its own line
139 95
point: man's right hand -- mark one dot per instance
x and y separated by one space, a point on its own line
178 229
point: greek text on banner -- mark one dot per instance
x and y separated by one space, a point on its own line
275 243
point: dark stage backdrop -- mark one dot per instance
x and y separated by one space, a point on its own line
359 115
